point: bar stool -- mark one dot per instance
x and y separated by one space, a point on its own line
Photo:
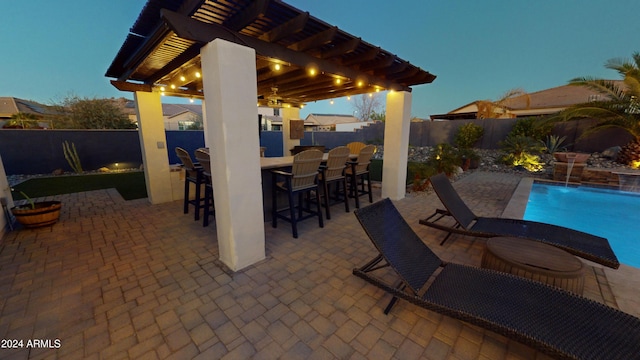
204 159
334 172
359 170
301 180
193 175
355 147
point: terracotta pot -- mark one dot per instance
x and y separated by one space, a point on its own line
44 213
566 156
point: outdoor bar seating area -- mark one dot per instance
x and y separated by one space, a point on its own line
309 171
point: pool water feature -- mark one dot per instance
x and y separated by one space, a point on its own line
609 213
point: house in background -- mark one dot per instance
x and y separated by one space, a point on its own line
538 103
334 122
10 106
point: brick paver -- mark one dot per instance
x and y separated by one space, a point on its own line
116 279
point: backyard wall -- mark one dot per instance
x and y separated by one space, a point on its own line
5 194
40 151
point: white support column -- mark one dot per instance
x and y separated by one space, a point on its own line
287 143
396 144
154 147
230 88
204 123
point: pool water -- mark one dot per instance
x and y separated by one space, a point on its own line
612 214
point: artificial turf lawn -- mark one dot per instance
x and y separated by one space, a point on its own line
130 185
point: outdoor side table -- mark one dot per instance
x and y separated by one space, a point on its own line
535 260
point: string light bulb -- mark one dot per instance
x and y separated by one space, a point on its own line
198 75
277 67
182 78
338 81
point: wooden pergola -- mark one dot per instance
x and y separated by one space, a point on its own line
303 57
235 54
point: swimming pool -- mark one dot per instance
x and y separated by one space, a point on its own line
612 214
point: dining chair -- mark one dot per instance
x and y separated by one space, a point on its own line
359 170
301 180
203 157
355 147
333 172
193 175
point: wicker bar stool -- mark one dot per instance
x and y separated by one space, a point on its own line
193 175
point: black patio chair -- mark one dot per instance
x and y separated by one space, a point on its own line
584 245
551 320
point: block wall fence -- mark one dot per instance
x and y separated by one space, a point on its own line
40 151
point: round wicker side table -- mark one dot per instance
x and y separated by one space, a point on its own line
535 260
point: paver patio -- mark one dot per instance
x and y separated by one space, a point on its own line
119 279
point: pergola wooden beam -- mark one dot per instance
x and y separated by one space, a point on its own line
289 28
366 56
198 31
240 20
315 41
342 48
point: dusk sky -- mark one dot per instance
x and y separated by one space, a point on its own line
477 49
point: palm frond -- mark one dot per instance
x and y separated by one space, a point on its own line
606 87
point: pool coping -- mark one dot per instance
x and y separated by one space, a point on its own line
518 204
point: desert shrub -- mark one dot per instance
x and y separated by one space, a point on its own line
468 135
533 127
520 150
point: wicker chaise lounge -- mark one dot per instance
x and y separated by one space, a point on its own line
549 319
584 245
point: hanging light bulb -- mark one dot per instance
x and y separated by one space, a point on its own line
182 78
198 74
277 67
191 100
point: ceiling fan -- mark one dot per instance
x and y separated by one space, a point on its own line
274 100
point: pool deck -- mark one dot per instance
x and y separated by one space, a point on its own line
119 279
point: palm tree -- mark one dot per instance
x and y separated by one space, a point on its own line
622 108
498 109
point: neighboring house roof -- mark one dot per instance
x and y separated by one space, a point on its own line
171 110
330 119
541 102
11 105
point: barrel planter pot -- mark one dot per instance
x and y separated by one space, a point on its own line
42 213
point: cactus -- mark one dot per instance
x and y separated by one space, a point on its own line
72 157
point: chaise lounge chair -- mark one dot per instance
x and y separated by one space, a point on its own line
551 320
584 245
